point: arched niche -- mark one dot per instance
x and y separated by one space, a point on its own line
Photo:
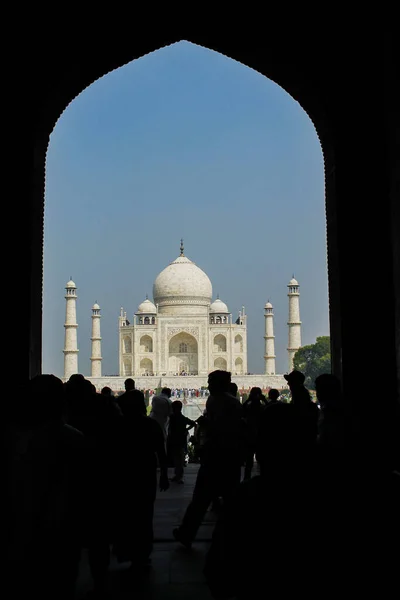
146 366
220 343
220 363
127 343
183 354
146 343
239 366
238 343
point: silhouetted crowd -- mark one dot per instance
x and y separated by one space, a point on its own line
82 471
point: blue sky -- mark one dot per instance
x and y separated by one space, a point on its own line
183 142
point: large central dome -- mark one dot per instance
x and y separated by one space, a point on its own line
182 283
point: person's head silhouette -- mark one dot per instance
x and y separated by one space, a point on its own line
44 400
106 391
76 385
273 395
219 382
177 407
300 394
295 378
255 393
129 384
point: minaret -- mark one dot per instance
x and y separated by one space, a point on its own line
96 341
269 338
71 330
294 322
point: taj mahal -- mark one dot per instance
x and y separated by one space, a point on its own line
183 334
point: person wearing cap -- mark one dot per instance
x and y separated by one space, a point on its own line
298 391
305 410
220 469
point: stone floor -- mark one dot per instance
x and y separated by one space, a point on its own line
175 572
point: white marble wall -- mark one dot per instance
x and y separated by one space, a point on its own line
243 381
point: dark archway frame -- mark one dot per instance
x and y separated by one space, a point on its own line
330 73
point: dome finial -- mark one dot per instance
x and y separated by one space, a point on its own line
217 296
182 254
147 296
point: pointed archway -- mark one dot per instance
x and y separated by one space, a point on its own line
183 355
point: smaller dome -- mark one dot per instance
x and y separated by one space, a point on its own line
70 284
95 306
218 307
147 307
293 282
268 305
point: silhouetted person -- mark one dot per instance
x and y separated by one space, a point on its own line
300 394
129 384
200 437
273 396
79 392
200 434
141 443
161 408
106 391
99 419
306 411
179 425
233 389
81 402
219 472
259 543
251 411
45 460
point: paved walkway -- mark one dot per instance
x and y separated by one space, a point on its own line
175 572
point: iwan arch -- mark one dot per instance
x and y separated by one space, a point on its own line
308 63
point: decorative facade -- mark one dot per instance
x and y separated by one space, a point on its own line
182 336
182 333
